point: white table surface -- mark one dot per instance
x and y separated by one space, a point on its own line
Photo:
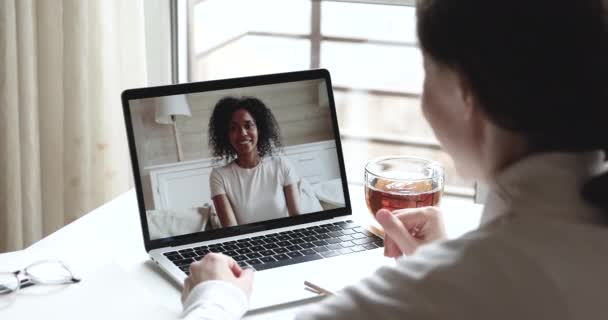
105 248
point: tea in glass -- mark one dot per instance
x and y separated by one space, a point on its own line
400 182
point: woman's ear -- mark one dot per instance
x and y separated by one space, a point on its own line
470 102
472 112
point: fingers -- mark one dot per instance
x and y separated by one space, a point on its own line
425 224
243 274
412 218
391 249
396 231
208 268
216 266
212 260
234 267
247 275
246 280
231 263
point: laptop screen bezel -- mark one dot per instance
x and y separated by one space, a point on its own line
204 86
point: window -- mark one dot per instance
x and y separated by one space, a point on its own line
369 48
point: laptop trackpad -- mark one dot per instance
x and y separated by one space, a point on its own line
286 284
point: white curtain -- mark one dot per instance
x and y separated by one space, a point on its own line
63 151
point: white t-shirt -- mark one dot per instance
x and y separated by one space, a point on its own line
256 194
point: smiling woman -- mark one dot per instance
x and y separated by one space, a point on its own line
261 118
245 133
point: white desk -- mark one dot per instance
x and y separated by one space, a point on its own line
106 249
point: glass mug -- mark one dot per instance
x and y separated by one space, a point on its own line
400 182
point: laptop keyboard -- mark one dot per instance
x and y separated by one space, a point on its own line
286 248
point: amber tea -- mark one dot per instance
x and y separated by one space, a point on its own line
400 195
400 182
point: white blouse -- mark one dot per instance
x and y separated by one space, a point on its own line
541 252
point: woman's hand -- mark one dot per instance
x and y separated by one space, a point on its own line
407 229
215 266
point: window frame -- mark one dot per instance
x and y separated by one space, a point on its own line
183 55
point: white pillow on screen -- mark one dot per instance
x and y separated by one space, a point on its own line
308 201
169 223
214 220
331 192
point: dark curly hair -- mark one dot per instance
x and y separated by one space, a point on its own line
269 135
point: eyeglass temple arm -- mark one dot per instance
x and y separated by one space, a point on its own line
28 283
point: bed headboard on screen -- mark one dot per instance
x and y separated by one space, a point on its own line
183 185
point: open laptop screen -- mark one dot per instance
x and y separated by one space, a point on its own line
238 156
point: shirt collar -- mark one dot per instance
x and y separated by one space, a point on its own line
545 184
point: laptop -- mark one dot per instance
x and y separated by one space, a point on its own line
176 136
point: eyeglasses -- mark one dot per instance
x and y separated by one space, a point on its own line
46 272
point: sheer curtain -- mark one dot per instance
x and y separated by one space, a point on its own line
63 146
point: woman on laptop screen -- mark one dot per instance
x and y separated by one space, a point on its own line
256 184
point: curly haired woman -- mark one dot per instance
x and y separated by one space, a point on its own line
256 184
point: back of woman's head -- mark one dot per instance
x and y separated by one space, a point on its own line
538 68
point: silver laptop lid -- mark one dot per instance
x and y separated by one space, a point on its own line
221 158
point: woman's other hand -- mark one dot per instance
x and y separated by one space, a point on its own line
405 230
215 266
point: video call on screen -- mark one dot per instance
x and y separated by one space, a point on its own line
231 157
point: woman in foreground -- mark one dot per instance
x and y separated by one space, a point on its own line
517 93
